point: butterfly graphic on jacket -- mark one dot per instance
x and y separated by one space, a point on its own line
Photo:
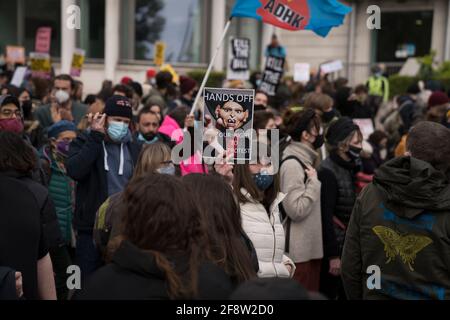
406 246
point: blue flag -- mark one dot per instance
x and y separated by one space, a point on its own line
316 15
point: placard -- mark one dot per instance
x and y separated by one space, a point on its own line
40 65
19 76
228 120
160 52
273 73
302 72
43 39
15 54
77 62
239 59
331 67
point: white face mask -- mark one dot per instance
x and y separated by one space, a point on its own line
62 96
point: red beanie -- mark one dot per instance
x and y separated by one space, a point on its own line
126 80
151 73
187 84
437 98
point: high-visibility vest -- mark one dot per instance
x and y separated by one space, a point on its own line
378 86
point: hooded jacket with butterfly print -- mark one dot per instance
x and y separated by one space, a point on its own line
398 241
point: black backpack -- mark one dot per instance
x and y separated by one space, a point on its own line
283 213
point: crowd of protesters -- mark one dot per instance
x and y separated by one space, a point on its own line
92 183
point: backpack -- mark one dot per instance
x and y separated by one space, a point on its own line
284 216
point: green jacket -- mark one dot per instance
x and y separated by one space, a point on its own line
400 223
61 190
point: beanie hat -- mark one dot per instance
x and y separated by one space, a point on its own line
126 80
437 98
61 126
151 73
339 130
118 106
187 84
137 88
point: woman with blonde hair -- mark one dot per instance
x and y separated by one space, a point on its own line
154 158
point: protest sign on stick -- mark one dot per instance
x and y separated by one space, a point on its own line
302 72
273 73
77 62
228 120
239 59
160 53
40 65
43 39
15 54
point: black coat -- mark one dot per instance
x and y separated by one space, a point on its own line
134 275
24 208
85 165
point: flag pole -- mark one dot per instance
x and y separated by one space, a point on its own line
208 71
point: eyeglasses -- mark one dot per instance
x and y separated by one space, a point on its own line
9 113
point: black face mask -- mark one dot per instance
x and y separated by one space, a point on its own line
260 107
328 116
354 153
318 143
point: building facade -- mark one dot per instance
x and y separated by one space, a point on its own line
119 35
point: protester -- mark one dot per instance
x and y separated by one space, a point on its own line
159 95
62 107
154 158
438 106
378 141
164 236
323 104
257 191
77 95
261 101
358 104
232 250
338 194
302 202
400 223
188 91
378 89
24 204
147 126
136 97
10 114
61 190
101 161
122 90
274 49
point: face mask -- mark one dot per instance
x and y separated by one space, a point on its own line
11 125
354 153
148 138
169 170
263 181
62 148
62 96
328 116
318 143
260 107
258 83
117 131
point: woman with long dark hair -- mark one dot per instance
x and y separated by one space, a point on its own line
231 248
163 249
257 189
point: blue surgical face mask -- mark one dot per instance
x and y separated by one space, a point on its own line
169 170
117 130
144 140
263 181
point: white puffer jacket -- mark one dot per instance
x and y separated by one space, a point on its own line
267 235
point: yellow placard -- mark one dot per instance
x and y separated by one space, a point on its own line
40 64
160 49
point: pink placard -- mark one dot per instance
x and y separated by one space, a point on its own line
43 39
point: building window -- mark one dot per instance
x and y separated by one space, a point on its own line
42 13
92 33
393 44
180 24
8 24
